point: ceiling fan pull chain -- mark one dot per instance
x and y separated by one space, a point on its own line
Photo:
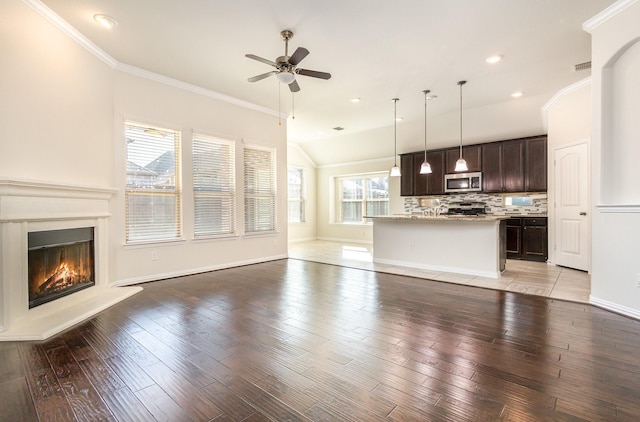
279 113
293 106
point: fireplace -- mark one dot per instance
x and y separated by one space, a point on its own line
60 262
54 257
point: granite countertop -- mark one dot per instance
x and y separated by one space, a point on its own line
443 217
526 215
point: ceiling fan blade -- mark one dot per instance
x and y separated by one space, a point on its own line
260 77
298 55
294 87
314 73
260 59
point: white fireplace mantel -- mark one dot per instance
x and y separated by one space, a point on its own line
34 206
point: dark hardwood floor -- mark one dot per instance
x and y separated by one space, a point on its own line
291 340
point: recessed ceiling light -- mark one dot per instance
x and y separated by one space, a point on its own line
494 59
106 21
517 94
355 100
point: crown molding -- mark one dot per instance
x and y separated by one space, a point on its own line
70 31
156 77
608 13
83 41
564 91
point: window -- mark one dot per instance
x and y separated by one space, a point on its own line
213 187
296 195
152 195
362 195
259 190
518 201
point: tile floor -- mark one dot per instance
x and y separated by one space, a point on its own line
535 278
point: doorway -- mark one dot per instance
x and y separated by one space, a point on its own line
571 199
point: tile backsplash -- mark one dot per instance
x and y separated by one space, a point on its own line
494 203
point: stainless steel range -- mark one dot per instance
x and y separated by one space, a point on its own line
467 208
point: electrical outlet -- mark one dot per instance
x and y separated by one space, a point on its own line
638 280
154 256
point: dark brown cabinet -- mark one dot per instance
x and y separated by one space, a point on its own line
503 166
514 238
415 184
527 238
472 154
516 165
536 164
407 180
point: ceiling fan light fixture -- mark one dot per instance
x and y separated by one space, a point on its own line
286 77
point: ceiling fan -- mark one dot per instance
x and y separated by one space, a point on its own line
286 66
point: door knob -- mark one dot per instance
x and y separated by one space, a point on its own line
583 213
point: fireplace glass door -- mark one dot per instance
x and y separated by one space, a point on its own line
60 262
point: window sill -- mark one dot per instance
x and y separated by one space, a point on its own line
214 238
147 243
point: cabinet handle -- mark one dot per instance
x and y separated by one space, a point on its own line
583 213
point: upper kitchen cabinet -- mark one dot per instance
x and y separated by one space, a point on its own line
472 155
535 178
435 180
407 180
503 166
516 165
415 184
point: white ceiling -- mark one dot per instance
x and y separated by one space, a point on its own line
375 50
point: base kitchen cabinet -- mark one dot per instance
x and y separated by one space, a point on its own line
527 238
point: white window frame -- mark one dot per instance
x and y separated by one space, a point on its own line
149 223
297 201
260 200
214 187
364 200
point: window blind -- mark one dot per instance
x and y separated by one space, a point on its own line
214 187
259 190
152 195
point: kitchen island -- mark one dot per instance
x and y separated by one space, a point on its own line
458 244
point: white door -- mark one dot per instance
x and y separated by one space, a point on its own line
571 190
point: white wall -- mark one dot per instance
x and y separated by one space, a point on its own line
616 198
329 230
56 104
568 123
307 229
151 102
62 111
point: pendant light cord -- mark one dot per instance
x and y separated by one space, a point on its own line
461 83
426 92
395 131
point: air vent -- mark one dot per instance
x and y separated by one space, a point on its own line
581 66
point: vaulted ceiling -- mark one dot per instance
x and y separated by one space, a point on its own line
374 50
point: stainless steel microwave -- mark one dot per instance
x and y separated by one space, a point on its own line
463 182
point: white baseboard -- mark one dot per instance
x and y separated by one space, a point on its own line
614 307
191 271
335 239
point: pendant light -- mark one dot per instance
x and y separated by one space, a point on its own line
461 164
395 170
425 168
